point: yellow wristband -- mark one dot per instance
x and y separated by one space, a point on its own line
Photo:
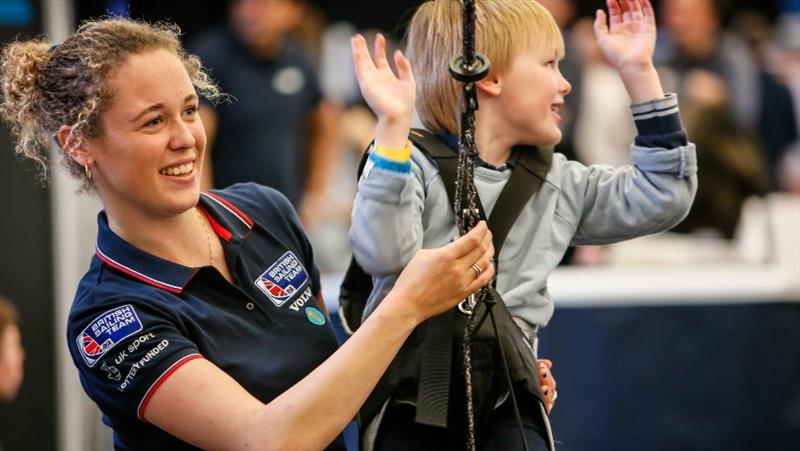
399 155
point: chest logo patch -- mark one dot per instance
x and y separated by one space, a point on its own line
315 316
106 331
282 279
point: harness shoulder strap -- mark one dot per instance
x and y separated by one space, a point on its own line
524 182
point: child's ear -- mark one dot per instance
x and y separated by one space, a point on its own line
74 145
490 85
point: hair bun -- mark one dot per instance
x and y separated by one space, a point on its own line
19 68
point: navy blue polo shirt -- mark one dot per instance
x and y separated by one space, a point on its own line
136 318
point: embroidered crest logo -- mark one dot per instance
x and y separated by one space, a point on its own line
106 331
283 279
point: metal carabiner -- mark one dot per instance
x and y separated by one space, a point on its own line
467 306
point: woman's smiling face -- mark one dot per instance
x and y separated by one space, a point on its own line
149 154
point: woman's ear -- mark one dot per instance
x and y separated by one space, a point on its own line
74 145
491 85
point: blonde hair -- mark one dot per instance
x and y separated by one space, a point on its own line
45 87
502 29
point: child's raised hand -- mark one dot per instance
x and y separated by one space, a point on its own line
390 96
629 42
628 39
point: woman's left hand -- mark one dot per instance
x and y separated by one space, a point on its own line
628 37
548 383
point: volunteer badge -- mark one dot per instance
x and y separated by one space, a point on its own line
283 279
106 331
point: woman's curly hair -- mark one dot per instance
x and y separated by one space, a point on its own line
47 86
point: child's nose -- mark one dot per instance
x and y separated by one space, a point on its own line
565 86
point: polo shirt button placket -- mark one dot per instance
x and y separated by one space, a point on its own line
250 306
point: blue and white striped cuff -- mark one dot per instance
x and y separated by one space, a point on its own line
389 165
657 117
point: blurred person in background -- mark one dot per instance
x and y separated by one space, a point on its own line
785 65
731 158
604 128
777 125
277 129
695 40
12 354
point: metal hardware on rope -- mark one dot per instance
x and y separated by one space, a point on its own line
469 68
467 306
465 72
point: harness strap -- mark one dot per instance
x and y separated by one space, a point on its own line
525 180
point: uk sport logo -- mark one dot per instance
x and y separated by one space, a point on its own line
106 331
282 279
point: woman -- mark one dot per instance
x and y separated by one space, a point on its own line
199 321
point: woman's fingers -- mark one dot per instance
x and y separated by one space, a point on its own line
477 256
468 243
487 271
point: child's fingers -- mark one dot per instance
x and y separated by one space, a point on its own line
636 9
626 10
647 11
404 71
546 362
614 12
361 60
600 24
380 52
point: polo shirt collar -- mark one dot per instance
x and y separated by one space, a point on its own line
226 220
117 253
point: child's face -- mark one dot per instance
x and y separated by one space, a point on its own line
531 97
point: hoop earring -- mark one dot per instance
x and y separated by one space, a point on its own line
87 171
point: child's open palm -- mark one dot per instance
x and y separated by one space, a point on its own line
628 38
390 96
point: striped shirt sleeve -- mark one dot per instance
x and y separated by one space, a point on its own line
658 123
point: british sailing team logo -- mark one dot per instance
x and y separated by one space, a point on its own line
106 331
282 279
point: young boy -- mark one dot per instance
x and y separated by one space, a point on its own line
402 204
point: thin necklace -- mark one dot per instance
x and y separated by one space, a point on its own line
208 238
